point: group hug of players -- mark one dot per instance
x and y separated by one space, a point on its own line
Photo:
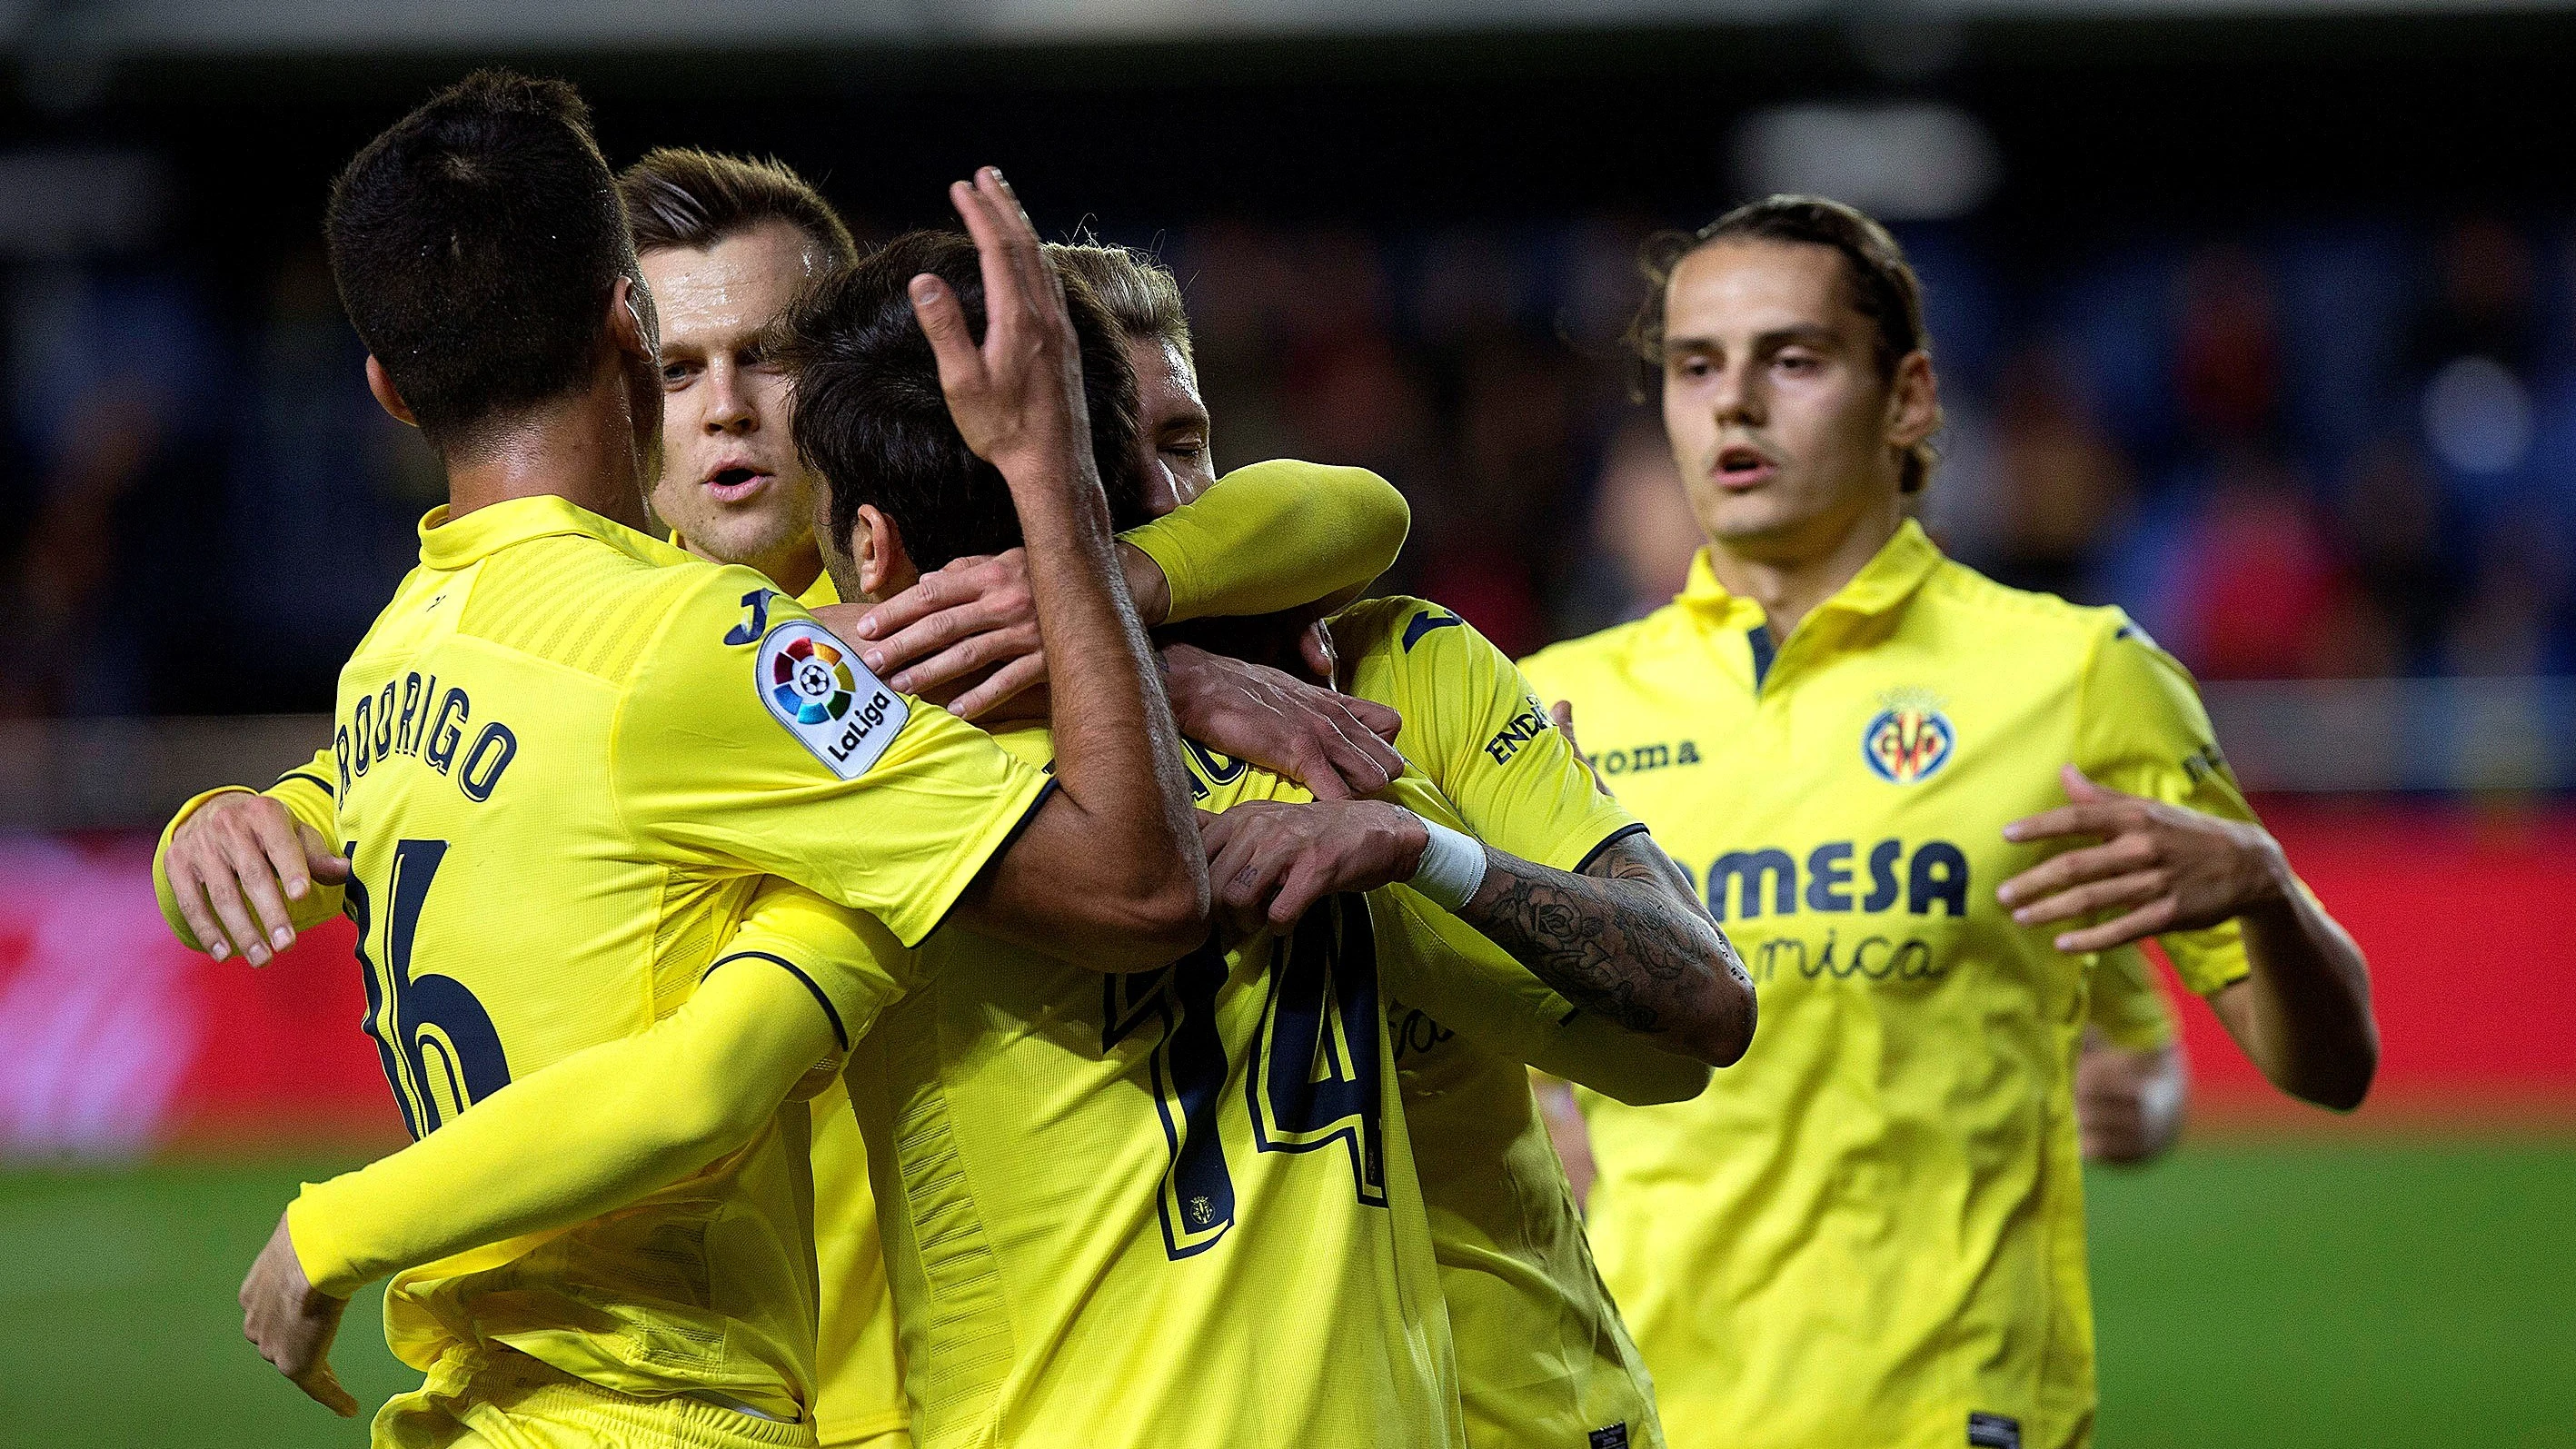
1149 1063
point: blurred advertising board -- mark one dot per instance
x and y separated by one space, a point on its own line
116 1041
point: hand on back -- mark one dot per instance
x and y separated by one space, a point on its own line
1269 863
235 863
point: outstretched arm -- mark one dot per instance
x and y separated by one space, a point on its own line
590 1133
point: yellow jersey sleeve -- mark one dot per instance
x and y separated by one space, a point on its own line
309 793
1474 725
609 1124
753 739
2141 728
2127 1006
1276 535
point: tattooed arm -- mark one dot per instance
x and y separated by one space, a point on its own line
1626 938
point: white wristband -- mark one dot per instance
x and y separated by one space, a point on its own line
1452 869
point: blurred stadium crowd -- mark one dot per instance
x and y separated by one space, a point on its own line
2339 449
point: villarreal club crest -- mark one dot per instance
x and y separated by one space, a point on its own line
1909 739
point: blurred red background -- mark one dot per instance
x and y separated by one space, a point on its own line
115 1040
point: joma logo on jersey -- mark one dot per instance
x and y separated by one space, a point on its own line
826 699
1908 741
1524 727
1937 874
1639 758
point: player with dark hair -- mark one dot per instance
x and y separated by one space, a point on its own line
1543 1357
1075 1173
528 722
1874 757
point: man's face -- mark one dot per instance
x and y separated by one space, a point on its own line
1173 450
1779 419
730 481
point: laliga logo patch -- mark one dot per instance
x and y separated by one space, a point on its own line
813 682
1909 739
826 699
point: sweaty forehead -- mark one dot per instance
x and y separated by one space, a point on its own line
1738 289
1166 387
727 292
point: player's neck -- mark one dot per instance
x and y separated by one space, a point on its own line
1789 582
580 447
793 569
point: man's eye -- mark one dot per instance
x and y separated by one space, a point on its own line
677 374
1185 447
1795 362
1692 366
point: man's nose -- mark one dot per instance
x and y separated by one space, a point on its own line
1736 398
729 405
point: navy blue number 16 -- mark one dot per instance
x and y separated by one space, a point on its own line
439 1049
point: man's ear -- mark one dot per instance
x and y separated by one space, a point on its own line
631 322
876 546
1914 402
381 384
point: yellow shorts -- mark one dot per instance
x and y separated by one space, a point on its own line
880 1439
498 1399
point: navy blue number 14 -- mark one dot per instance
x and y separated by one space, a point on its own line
1312 1083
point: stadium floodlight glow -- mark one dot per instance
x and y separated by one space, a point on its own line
1899 161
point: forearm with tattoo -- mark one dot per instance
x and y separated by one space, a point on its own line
1626 939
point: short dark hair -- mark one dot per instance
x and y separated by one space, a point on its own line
683 197
1142 295
871 422
475 244
1884 288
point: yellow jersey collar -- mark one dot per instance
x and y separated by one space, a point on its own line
1887 580
453 544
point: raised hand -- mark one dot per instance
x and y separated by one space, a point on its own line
2165 867
1334 744
1017 395
233 865
293 1323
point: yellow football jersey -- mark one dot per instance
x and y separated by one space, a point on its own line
565 755
1171 1207
1543 1359
1269 536
1876 1235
